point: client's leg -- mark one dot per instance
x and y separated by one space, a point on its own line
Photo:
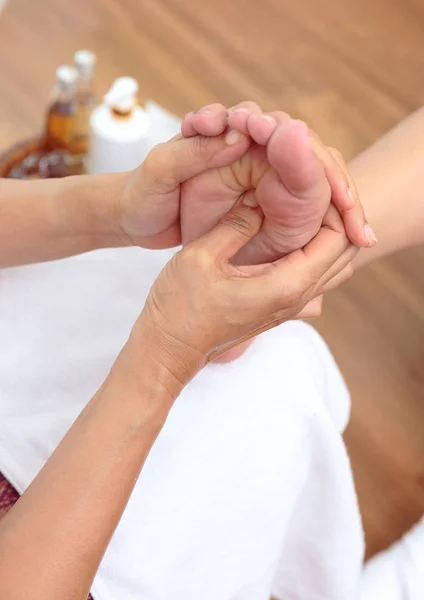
390 179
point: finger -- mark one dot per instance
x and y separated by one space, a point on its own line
314 307
238 115
337 267
312 310
296 278
333 219
344 194
210 120
341 277
357 228
170 164
335 172
324 250
234 230
260 127
305 268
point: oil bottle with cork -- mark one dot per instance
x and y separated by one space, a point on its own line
60 121
67 131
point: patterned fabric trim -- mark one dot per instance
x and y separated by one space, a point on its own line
8 497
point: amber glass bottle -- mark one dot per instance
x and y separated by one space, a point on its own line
60 123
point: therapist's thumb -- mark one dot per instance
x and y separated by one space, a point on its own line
234 230
172 163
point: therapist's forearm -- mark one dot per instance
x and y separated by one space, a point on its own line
50 219
53 539
390 180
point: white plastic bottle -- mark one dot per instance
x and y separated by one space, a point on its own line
118 130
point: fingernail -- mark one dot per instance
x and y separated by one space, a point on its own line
370 235
233 137
351 197
301 124
238 110
204 111
250 200
268 119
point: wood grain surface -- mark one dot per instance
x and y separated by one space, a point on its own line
351 69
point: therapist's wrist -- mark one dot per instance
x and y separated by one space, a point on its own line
174 363
85 206
143 383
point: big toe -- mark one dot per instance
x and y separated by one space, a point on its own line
291 154
296 195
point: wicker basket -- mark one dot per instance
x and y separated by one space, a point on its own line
46 165
17 153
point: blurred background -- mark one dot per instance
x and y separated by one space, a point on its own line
351 69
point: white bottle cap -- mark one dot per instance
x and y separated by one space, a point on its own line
85 61
66 76
122 94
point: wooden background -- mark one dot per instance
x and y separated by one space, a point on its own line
351 69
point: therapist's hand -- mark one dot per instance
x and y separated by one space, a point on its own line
147 210
202 304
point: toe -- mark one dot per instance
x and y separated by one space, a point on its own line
239 114
290 153
187 126
210 120
261 127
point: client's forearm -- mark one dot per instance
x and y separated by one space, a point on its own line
53 539
390 179
49 219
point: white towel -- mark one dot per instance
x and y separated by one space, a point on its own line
248 489
397 573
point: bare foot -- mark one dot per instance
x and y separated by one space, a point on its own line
288 172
